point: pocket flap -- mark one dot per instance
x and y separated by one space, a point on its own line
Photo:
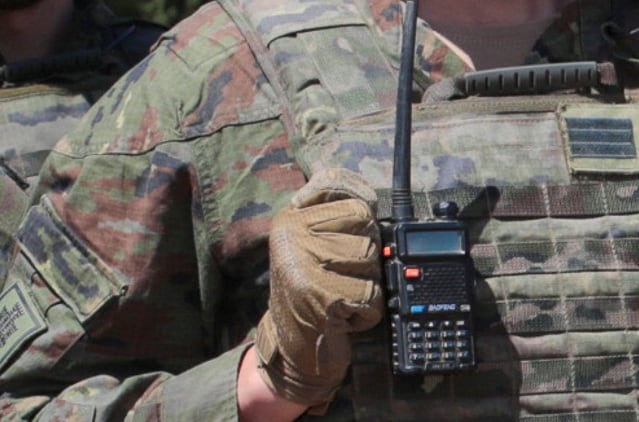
72 271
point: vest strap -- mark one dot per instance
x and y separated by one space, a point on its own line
579 200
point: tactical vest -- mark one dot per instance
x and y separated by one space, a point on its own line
547 185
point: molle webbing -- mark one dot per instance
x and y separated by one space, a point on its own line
544 254
551 330
578 200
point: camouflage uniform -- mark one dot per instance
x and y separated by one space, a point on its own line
149 240
42 99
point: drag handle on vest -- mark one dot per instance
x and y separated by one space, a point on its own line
427 265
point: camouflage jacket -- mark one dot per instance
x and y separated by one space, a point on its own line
42 99
146 249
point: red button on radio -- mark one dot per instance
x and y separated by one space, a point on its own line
412 272
387 252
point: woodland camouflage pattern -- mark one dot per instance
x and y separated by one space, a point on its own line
147 249
35 112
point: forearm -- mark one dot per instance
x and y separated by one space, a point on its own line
256 402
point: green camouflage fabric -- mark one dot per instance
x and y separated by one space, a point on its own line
146 253
41 100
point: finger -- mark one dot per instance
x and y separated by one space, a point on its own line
345 216
332 185
347 254
361 312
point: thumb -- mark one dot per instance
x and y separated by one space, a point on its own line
335 184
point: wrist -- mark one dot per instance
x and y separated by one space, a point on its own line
298 375
256 401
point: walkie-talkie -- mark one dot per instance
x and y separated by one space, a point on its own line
427 264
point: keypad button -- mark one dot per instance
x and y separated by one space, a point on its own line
434 356
449 345
430 335
416 347
416 335
416 357
462 333
414 326
448 334
433 345
464 355
449 356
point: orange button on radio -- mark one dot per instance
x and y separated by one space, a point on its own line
412 272
387 252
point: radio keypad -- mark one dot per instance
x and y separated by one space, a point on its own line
429 298
439 344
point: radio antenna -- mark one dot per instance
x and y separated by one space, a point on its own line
402 200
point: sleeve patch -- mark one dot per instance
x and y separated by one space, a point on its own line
20 321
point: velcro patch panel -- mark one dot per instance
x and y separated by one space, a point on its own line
600 138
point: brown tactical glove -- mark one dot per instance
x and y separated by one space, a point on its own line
325 275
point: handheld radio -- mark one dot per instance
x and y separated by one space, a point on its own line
427 264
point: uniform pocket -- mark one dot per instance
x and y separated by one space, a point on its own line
53 290
73 272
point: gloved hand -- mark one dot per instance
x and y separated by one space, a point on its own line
325 275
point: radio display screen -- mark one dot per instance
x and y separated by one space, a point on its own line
436 242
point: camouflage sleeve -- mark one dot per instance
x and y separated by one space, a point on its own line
151 217
203 393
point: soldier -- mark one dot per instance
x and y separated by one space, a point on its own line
141 266
56 59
